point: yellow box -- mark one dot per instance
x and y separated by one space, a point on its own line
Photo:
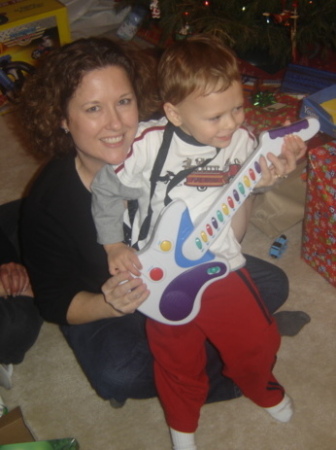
29 29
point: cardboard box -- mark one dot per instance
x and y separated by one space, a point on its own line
15 435
319 224
13 428
29 29
54 444
311 106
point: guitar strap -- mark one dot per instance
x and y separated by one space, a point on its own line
155 176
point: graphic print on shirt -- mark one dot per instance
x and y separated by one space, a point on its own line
207 176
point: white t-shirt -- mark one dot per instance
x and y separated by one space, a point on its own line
199 190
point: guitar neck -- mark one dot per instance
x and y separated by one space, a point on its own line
234 194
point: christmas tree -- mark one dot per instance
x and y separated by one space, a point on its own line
285 31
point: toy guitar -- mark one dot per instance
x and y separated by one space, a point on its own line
177 263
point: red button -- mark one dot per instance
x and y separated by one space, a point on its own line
209 230
156 274
252 174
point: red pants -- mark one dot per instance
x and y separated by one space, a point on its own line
234 318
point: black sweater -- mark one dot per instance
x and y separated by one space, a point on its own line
59 240
7 250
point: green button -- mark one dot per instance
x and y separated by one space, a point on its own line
213 270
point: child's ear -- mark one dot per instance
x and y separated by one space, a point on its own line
172 114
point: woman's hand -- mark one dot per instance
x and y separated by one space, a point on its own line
124 293
14 280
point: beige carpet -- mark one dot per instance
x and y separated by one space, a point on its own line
57 400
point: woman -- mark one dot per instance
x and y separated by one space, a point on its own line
81 109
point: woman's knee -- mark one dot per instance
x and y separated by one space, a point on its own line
115 358
128 377
272 282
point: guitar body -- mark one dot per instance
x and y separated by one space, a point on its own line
177 262
176 284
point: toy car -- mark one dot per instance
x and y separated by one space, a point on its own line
278 246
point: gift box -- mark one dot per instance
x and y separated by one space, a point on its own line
53 444
313 105
13 428
319 224
28 31
15 435
306 80
262 117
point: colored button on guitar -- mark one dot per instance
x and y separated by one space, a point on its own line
209 230
165 246
213 270
156 274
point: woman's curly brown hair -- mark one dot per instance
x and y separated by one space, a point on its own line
46 93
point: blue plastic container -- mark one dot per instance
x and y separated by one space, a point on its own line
311 106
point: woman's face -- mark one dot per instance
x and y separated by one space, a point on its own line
103 116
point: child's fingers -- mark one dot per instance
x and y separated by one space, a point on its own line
125 266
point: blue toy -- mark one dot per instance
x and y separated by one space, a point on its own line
278 247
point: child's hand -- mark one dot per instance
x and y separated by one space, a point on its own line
122 258
293 149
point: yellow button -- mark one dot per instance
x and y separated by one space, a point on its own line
165 246
204 236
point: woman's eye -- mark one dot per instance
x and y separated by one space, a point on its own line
93 108
125 101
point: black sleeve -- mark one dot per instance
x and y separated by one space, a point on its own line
9 220
59 243
7 250
46 255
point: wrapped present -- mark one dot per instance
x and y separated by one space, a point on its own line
265 110
319 224
322 105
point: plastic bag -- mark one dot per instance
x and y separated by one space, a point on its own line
93 17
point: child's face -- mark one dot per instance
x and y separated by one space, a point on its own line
210 119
